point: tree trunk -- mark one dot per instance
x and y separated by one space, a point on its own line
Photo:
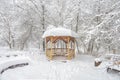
77 23
43 24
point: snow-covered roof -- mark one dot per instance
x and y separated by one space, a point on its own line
59 31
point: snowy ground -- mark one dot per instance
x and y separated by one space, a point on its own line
80 68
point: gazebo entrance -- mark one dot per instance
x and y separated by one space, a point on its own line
60 46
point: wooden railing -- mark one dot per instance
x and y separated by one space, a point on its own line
50 53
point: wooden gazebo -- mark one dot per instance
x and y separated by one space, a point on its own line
60 42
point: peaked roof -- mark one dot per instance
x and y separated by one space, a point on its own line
60 31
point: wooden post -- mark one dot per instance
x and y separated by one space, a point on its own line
51 49
68 53
74 48
114 51
46 47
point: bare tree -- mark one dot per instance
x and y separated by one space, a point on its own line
8 35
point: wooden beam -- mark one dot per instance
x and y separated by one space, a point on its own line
51 48
68 40
74 48
46 45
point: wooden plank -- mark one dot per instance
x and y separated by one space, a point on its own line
51 56
68 56
74 48
46 46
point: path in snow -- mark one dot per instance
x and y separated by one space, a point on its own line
77 69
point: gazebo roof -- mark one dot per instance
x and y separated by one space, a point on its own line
59 31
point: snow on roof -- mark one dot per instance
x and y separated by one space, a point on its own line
59 31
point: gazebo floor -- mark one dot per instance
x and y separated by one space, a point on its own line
59 58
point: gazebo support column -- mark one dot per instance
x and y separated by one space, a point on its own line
68 49
54 48
51 52
74 49
46 50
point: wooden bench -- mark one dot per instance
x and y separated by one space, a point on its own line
116 63
113 70
14 66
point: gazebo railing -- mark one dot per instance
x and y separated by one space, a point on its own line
51 52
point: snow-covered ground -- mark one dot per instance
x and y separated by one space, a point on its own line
80 68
